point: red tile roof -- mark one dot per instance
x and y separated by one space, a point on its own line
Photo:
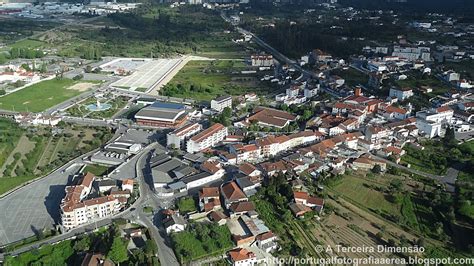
272 116
211 167
209 192
247 168
444 109
265 236
232 192
245 206
240 254
207 132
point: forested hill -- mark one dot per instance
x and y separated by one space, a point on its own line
450 6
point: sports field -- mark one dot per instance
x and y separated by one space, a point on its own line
41 96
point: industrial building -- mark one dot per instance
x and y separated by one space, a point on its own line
162 115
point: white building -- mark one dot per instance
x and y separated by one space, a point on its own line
207 138
174 223
262 60
412 53
220 103
376 66
430 128
178 137
266 242
401 94
242 257
311 91
293 91
451 76
440 115
76 211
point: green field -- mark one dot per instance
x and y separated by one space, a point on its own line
27 43
205 80
357 190
96 169
40 96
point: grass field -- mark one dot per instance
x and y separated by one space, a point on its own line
421 166
10 134
205 80
96 169
415 80
356 189
40 96
27 43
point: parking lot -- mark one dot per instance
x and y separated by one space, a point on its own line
34 207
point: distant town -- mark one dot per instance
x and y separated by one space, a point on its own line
241 141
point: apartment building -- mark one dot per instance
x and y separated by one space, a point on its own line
75 214
207 138
77 210
178 137
219 103
262 60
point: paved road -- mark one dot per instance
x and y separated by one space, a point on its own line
165 252
449 180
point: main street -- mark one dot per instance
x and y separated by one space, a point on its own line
148 198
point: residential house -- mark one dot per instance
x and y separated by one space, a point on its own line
238 209
304 198
268 117
249 170
231 193
209 199
401 94
246 153
267 242
174 223
367 163
242 257
218 217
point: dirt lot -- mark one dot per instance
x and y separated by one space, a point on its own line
83 86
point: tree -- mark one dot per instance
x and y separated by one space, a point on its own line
449 138
377 169
150 247
83 244
118 252
227 112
